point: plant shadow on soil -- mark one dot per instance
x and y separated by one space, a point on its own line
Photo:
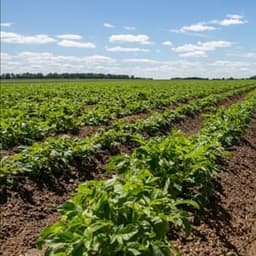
215 217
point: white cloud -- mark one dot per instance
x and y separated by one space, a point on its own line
70 36
198 27
47 62
44 57
167 43
5 24
128 38
182 68
129 28
235 16
141 61
204 26
5 58
14 38
231 19
126 49
98 59
250 55
108 25
206 46
233 64
199 49
193 54
75 44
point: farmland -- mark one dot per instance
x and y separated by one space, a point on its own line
134 167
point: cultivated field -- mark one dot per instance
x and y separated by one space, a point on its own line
135 167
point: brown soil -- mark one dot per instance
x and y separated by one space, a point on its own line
88 106
231 100
88 131
11 151
31 203
192 124
227 226
189 125
133 118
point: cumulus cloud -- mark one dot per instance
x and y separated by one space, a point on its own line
206 46
200 49
205 26
167 43
108 25
250 55
98 59
69 37
198 27
46 62
128 38
46 56
231 19
126 49
4 56
76 44
141 61
15 38
5 24
193 54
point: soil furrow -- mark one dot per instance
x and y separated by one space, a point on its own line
227 226
31 204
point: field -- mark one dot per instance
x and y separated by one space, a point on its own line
134 167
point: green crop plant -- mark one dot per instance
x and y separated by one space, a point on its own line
131 213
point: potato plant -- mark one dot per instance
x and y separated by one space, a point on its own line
131 213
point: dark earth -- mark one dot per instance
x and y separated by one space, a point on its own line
227 226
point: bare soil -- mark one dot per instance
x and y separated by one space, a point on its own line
189 125
30 204
227 226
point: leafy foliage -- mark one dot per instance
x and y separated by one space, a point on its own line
32 112
131 213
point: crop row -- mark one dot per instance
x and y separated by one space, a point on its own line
132 213
56 154
27 97
38 117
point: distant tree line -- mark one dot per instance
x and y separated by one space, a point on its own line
189 78
8 76
203 78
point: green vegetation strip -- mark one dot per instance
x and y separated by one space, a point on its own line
54 155
30 113
131 213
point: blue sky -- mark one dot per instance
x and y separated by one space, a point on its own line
159 39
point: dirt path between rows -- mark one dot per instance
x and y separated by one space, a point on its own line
30 205
228 225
